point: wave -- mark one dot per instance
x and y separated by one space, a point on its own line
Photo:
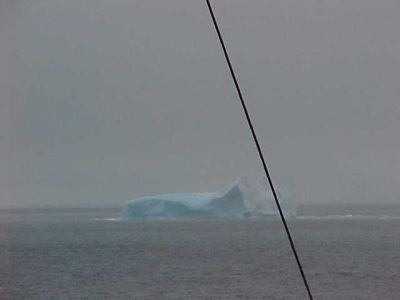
350 217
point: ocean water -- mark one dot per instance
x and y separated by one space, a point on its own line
93 255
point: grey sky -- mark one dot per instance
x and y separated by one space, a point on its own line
102 101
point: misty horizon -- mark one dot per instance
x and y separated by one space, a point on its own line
102 103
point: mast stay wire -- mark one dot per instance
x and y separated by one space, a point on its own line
265 167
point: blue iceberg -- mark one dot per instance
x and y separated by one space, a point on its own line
241 199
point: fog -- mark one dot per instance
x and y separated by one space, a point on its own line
103 101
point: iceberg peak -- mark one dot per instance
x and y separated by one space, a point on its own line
240 199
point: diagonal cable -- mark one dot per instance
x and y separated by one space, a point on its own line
253 132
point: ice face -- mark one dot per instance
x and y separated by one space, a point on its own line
238 200
170 206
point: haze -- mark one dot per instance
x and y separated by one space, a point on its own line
103 101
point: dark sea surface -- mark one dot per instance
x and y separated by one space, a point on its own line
88 254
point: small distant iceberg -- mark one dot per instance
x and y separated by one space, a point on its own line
241 199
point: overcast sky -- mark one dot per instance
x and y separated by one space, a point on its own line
103 101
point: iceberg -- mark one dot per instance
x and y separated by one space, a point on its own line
241 199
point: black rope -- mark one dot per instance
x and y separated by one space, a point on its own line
259 151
